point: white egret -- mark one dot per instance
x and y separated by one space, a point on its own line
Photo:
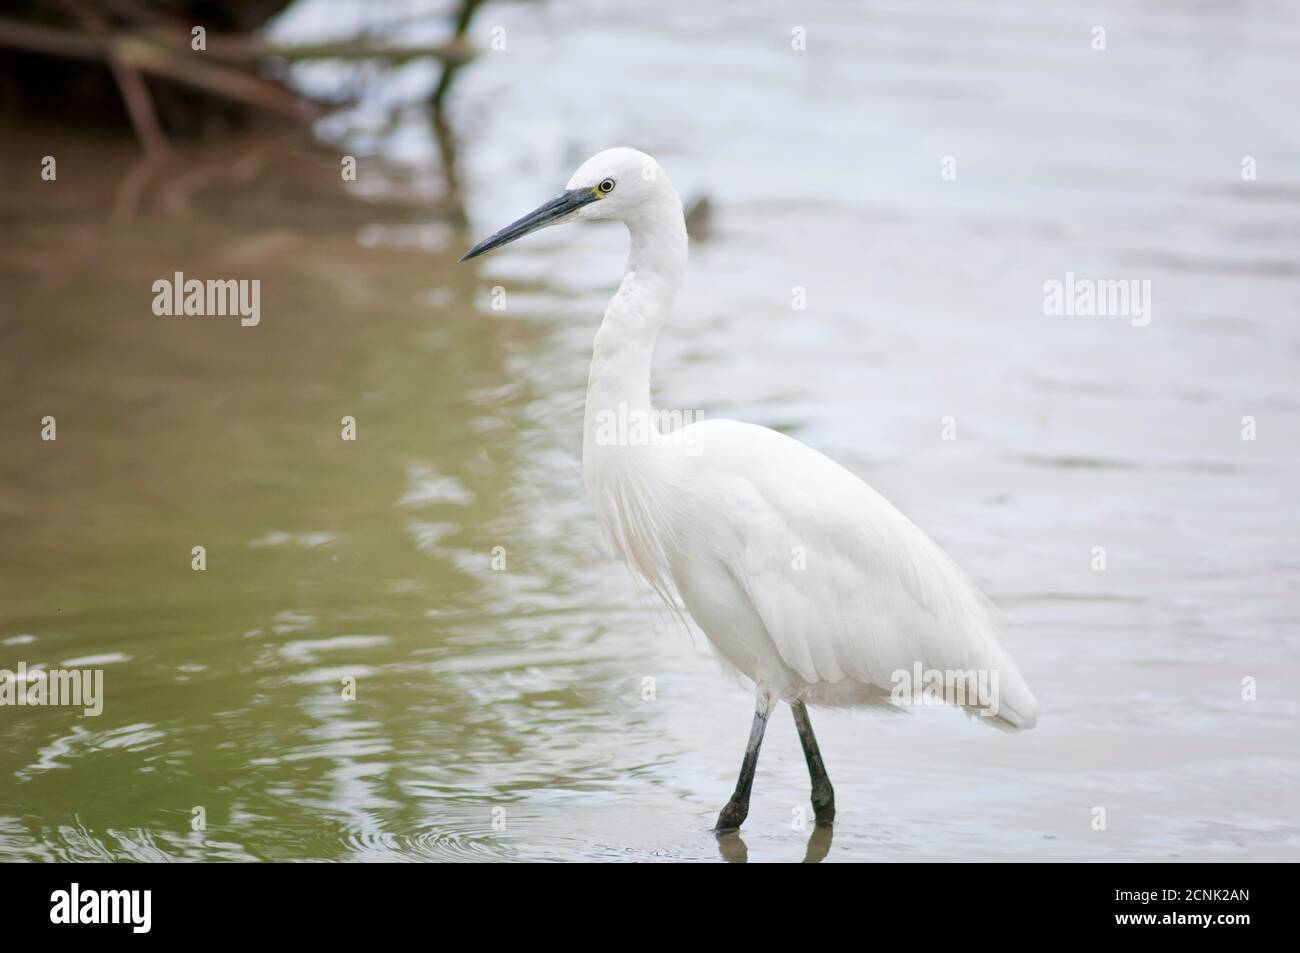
802 577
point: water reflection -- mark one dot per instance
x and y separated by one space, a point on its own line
733 849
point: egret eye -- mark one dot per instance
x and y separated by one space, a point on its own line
606 186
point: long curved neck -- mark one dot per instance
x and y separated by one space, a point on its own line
620 365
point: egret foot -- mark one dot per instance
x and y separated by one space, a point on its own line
823 801
823 795
732 816
737 809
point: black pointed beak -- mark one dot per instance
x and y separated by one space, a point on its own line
556 210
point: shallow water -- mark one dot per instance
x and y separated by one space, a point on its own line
500 714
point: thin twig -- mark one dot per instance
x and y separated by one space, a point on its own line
147 56
135 92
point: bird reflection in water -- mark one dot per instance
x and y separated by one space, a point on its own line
733 849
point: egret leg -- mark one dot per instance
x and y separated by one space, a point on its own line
737 809
823 795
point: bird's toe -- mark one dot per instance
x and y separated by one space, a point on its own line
823 801
732 816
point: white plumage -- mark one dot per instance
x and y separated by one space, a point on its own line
802 577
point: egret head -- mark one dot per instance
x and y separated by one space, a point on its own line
615 184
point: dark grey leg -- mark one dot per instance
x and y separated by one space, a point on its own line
823 795
737 809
